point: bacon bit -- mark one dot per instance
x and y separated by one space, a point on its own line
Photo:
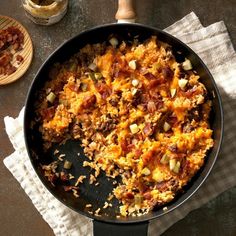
124 145
153 83
193 91
64 177
150 76
173 147
147 156
130 195
167 73
10 69
103 89
137 97
74 87
138 136
159 104
147 195
151 106
143 70
185 167
69 188
89 101
137 153
172 119
147 130
52 178
130 147
162 186
5 58
48 113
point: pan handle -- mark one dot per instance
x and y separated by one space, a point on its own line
125 12
103 229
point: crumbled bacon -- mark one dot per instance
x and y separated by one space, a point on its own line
167 72
103 89
69 188
89 101
19 58
147 195
75 87
10 38
151 106
172 119
64 177
48 113
130 195
138 153
150 76
147 130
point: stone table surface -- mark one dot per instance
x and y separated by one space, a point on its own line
17 213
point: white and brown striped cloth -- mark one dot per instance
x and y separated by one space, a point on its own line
213 45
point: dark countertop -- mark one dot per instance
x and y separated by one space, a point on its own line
17 213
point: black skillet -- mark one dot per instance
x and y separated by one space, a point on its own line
108 223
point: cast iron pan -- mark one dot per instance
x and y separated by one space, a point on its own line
107 223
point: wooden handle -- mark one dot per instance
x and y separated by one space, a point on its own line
125 12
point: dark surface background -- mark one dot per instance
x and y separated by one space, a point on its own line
17 213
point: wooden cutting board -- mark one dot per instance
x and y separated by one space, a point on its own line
26 52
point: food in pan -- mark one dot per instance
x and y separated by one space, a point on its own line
141 116
11 43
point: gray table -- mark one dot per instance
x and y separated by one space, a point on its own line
17 214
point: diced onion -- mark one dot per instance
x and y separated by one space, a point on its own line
187 65
51 97
172 163
158 175
182 83
166 126
134 91
92 66
132 64
135 82
114 42
176 168
98 76
67 164
146 171
172 92
165 159
134 128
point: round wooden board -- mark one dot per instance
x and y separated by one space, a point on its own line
26 52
